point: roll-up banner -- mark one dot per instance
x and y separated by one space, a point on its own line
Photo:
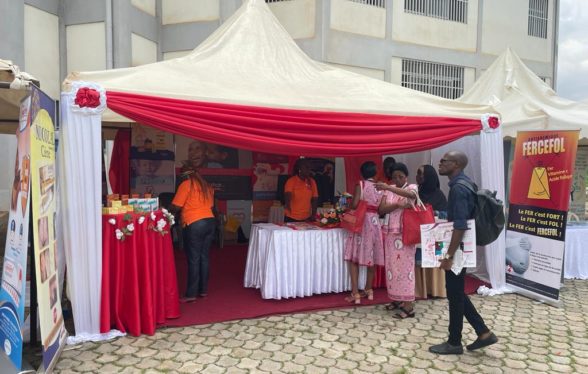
14 272
539 199
43 196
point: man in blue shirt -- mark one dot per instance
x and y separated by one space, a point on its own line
460 208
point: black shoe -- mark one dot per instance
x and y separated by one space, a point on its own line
481 343
446 349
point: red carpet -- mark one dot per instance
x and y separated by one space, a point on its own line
229 300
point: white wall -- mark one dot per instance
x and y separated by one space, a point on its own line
180 11
175 54
372 73
147 6
358 18
499 32
143 51
433 32
41 49
297 17
86 47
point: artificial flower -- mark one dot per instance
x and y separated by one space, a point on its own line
119 234
130 227
153 216
112 221
141 220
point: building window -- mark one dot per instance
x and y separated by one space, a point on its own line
538 11
437 79
376 3
450 10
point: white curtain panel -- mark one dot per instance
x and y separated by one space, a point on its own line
492 163
79 159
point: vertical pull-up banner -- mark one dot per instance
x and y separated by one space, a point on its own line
14 272
43 194
539 199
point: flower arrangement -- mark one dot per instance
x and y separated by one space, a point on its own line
161 224
127 229
330 218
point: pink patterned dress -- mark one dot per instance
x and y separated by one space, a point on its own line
367 248
399 257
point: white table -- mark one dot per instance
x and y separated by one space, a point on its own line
285 263
575 254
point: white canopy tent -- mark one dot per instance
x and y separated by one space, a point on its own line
523 100
250 60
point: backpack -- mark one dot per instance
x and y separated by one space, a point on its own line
488 213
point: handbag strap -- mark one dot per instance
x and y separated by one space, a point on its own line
418 206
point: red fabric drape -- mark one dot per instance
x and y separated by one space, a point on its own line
292 132
118 172
353 170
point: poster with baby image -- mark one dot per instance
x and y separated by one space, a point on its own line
202 155
151 161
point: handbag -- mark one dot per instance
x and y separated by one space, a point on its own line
412 219
352 221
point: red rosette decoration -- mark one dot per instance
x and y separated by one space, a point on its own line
87 98
493 122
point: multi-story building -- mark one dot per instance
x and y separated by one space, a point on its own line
436 46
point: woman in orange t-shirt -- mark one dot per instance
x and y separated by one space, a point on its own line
301 194
195 200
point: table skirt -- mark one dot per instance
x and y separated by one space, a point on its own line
575 256
285 263
139 284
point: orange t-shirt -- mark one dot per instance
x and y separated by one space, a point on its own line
302 193
195 206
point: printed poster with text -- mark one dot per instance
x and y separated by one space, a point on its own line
539 199
43 179
14 271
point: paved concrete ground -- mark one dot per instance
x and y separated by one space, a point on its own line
534 338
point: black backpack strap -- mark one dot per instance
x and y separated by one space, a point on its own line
470 186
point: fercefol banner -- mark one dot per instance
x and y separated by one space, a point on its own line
542 176
14 272
43 195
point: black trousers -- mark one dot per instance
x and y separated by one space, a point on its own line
460 306
198 237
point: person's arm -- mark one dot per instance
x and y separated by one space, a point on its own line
456 238
356 196
180 197
462 209
381 186
385 207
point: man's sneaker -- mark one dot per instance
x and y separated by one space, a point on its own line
446 349
481 343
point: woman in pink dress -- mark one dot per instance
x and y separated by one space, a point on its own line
366 248
399 257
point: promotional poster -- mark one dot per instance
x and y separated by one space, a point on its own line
540 194
152 161
43 193
14 272
435 239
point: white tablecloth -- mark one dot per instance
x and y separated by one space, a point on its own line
285 263
576 254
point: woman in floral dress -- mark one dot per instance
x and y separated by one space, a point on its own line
399 257
366 248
